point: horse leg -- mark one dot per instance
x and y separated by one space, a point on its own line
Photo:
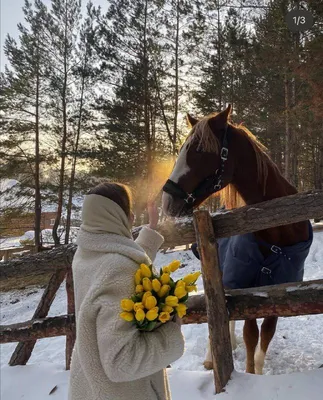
268 329
208 363
233 338
250 336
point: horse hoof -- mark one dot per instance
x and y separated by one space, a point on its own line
208 365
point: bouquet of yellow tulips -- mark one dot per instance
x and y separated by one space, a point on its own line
157 298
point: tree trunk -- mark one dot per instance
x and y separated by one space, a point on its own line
146 98
37 228
219 58
64 142
72 180
174 141
287 130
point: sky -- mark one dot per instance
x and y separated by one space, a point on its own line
11 15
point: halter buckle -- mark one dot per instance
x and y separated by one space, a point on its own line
218 186
224 153
266 270
276 249
190 198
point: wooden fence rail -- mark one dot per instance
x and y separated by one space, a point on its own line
281 211
287 300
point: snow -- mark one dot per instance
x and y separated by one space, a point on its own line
260 294
37 381
291 369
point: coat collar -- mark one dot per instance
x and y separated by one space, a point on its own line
112 243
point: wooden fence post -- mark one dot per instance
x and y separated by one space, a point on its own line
218 318
71 333
23 350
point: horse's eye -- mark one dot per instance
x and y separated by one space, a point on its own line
198 150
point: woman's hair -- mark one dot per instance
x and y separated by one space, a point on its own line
117 192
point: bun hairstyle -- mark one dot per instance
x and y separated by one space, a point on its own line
117 192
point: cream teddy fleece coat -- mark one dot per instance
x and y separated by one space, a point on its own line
111 359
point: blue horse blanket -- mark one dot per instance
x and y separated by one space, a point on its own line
243 265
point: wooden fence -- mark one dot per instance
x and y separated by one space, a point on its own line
216 307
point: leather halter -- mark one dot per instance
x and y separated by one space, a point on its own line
210 185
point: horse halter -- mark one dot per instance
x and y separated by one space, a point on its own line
210 185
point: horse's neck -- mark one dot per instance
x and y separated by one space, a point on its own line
254 191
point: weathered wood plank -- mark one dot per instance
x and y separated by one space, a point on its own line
286 300
268 214
23 350
217 314
71 333
32 330
282 211
43 262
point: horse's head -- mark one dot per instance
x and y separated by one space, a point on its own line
203 166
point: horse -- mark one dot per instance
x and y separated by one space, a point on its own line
220 157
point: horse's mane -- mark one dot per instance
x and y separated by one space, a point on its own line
208 142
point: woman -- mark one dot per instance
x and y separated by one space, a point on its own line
112 360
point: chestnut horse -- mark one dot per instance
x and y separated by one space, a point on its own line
219 156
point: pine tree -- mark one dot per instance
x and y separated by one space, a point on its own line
62 24
24 90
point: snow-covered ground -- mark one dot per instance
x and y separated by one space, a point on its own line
296 350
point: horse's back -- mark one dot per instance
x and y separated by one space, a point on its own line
243 264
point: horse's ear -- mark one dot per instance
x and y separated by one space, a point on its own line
191 121
220 119
225 114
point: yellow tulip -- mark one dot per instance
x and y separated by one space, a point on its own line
156 285
152 314
145 296
197 274
150 302
164 290
168 309
127 316
165 278
145 270
164 317
191 278
146 282
138 306
166 269
181 310
174 265
188 279
138 277
140 315
180 292
192 288
171 301
127 304
180 283
139 289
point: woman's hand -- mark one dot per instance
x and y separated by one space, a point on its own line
153 215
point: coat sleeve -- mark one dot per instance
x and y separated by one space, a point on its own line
126 353
150 240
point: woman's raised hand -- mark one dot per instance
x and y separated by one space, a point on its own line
153 215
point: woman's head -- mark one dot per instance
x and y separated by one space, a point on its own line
117 192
